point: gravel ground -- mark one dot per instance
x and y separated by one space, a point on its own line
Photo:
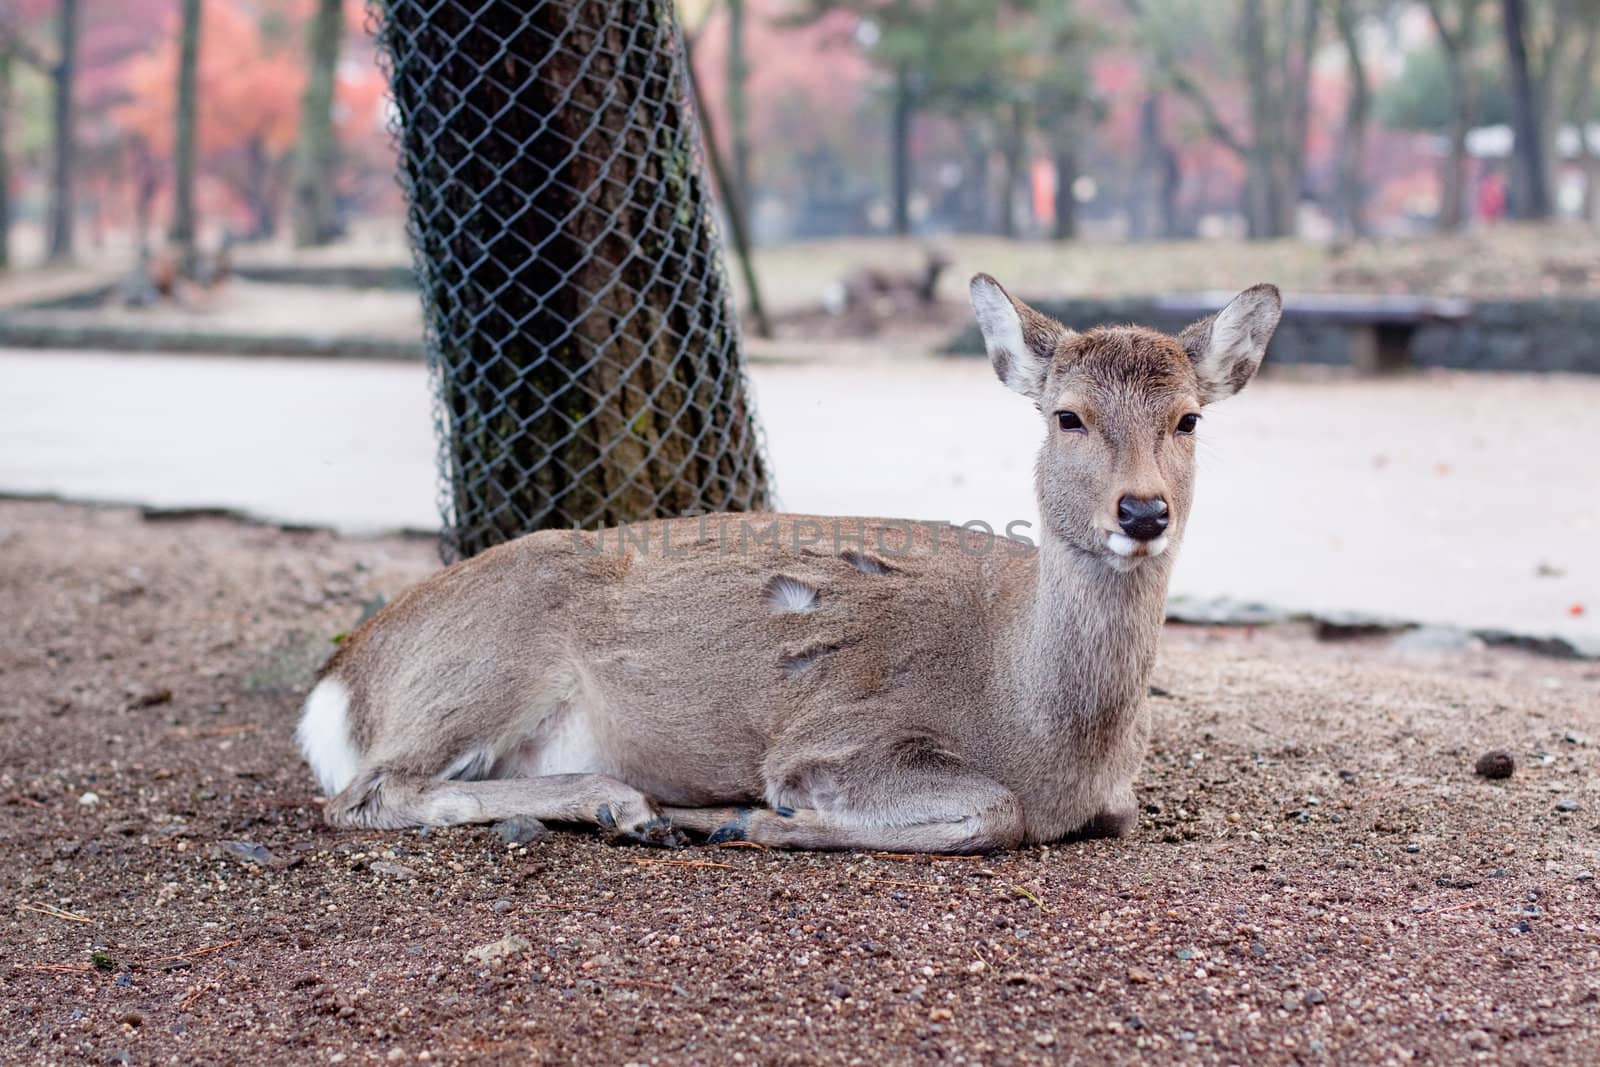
1319 874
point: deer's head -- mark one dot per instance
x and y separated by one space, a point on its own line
1121 407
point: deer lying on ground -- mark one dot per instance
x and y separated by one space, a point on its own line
803 682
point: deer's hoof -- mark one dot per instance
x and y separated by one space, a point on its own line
657 833
735 829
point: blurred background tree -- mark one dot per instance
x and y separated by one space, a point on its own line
1137 119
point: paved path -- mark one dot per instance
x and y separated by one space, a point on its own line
1440 498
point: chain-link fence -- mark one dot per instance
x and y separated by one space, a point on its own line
580 328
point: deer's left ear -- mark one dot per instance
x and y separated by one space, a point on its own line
1227 348
1020 341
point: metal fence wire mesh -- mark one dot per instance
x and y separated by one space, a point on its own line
580 329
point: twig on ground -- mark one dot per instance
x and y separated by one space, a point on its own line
1025 892
189 955
55 968
640 983
195 994
18 798
1463 906
922 857
742 844
564 907
213 731
682 863
54 912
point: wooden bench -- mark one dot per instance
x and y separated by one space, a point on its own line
1380 328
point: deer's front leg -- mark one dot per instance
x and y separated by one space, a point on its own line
902 795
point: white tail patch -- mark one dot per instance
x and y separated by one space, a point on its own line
324 736
785 594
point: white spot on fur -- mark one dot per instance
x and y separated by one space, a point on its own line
324 736
570 748
786 595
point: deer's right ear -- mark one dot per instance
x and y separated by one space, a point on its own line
1020 341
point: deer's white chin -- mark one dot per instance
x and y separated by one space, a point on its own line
1126 552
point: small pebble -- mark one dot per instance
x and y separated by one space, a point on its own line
398 871
89 800
1494 764
1568 804
520 830
506 947
1044 1038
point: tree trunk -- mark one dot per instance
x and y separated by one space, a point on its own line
315 219
900 136
973 192
1262 215
182 234
585 354
1582 107
1146 177
1066 160
1292 172
1455 43
1452 211
1171 186
5 158
1352 142
1531 187
738 108
1016 158
58 247
731 203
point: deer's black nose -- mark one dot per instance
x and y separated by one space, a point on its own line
1142 519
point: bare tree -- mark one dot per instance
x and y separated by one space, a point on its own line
1277 42
15 47
182 234
314 208
1580 107
1537 35
58 242
1457 24
1352 143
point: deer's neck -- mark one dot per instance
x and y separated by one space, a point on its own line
1088 638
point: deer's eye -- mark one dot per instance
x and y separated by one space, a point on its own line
1187 424
1070 423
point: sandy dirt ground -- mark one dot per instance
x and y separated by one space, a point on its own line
1318 875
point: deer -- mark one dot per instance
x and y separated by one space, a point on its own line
807 682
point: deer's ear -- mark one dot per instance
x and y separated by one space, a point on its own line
1020 341
1227 348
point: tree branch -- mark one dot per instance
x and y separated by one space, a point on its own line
1209 115
13 41
1190 90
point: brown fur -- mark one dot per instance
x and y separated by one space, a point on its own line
857 682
